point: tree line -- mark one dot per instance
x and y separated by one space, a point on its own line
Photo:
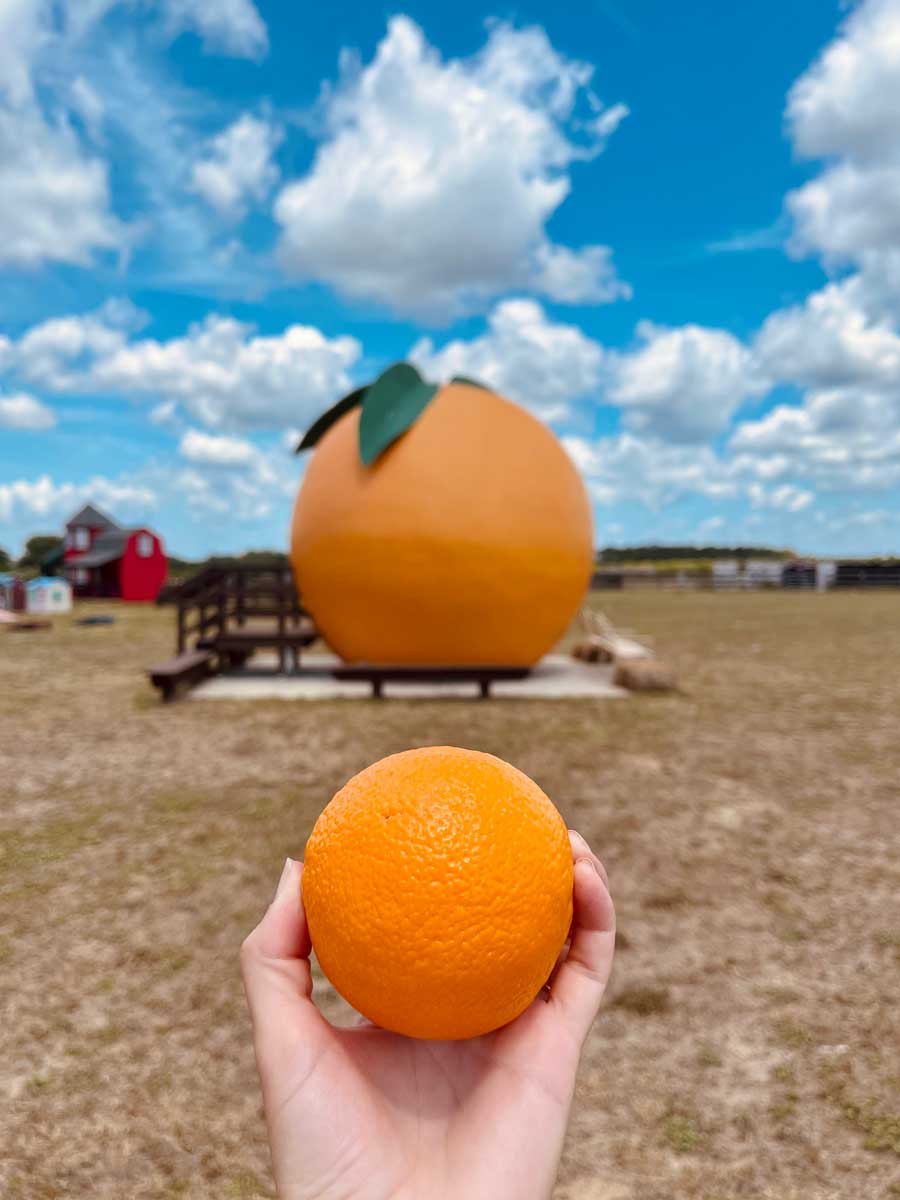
627 554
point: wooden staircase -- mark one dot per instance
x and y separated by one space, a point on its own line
224 615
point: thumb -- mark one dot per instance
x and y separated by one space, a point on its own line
276 973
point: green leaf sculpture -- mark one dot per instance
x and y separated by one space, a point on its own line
390 405
322 424
397 397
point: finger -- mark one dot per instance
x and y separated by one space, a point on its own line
581 980
276 971
580 849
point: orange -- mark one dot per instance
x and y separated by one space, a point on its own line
468 541
438 890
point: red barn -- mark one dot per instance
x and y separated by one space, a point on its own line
100 558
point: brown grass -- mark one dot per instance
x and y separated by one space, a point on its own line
748 1049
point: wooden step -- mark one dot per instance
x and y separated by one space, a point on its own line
189 668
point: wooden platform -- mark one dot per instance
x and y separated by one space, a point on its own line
556 677
378 676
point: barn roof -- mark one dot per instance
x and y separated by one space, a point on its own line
89 515
108 545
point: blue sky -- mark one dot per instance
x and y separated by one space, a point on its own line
670 231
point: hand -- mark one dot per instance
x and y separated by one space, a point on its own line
366 1114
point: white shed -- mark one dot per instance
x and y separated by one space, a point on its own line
825 575
763 572
47 594
725 573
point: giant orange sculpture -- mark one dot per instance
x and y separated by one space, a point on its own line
441 526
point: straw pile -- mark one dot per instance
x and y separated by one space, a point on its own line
632 653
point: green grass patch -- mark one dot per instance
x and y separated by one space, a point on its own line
681 1133
644 1001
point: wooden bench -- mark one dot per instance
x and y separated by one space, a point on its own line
379 675
189 668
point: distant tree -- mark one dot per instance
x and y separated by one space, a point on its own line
5 560
36 550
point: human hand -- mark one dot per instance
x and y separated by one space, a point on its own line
372 1115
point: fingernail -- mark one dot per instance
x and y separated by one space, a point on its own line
588 862
284 883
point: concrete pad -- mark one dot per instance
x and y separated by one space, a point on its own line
556 677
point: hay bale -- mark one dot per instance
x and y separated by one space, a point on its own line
644 675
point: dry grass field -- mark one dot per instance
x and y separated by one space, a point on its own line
749 1045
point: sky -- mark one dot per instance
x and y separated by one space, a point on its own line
670 231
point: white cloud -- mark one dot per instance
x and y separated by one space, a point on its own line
260 489
847 102
541 363
865 519
220 372
226 376
165 414
577 276
89 106
75 89
25 499
787 497
648 470
829 341
230 26
54 198
435 180
228 477
839 439
56 352
844 109
54 195
239 166
21 35
848 213
684 384
711 525
21 411
216 449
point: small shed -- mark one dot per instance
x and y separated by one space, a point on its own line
12 593
726 573
48 594
763 572
825 575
